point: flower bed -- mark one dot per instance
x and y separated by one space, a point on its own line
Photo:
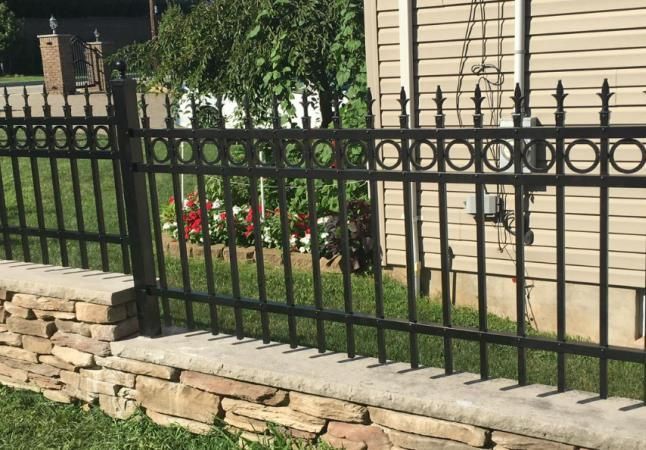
328 229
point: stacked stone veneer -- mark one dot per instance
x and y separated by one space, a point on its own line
60 339
54 345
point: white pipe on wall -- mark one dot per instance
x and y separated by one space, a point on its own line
407 77
519 43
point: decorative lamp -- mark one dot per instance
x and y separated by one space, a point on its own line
53 24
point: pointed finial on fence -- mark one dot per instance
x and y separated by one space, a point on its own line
560 104
478 98
143 105
109 108
403 110
220 107
121 67
88 106
336 110
403 101
305 102
67 109
169 114
145 120
7 107
246 107
194 112
47 109
605 96
518 99
560 97
370 117
275 116
26 108
25 96
439 101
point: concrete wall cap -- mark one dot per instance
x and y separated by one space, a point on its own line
569 417
89 286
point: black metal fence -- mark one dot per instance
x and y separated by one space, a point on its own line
86 61
537 157
61 152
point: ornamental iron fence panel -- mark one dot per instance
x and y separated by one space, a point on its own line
86 61
59 148
536 158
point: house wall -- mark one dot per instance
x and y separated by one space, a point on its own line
580 43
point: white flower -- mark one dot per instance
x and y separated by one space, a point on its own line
236 210
185 203
323 235
302 249
321 220
292 240
305 240
217 204
167 226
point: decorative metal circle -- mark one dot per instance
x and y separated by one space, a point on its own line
469 163
4 137
416 154
186 154
81 138
323 154
355 154
293 153
263 152
615 164
237 152
590 144
496 166
381 159
21 137
40 137
549 163
210 152
102 138
160 150
61 137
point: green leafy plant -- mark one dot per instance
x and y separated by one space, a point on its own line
9 28
257 49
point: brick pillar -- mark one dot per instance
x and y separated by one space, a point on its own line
58 63
100 70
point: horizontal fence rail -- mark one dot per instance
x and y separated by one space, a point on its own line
154 161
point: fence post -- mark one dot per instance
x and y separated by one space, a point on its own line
136 199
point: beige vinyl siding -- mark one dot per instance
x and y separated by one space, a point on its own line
580 43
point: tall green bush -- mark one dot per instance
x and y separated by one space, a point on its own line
255 49
9 28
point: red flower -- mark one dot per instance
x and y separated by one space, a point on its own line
249 231
171 200
209 205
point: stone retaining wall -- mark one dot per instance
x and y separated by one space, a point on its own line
58 336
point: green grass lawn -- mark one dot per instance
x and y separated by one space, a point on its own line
28 421
626 379
19 78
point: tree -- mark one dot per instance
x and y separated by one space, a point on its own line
9 27
255 49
